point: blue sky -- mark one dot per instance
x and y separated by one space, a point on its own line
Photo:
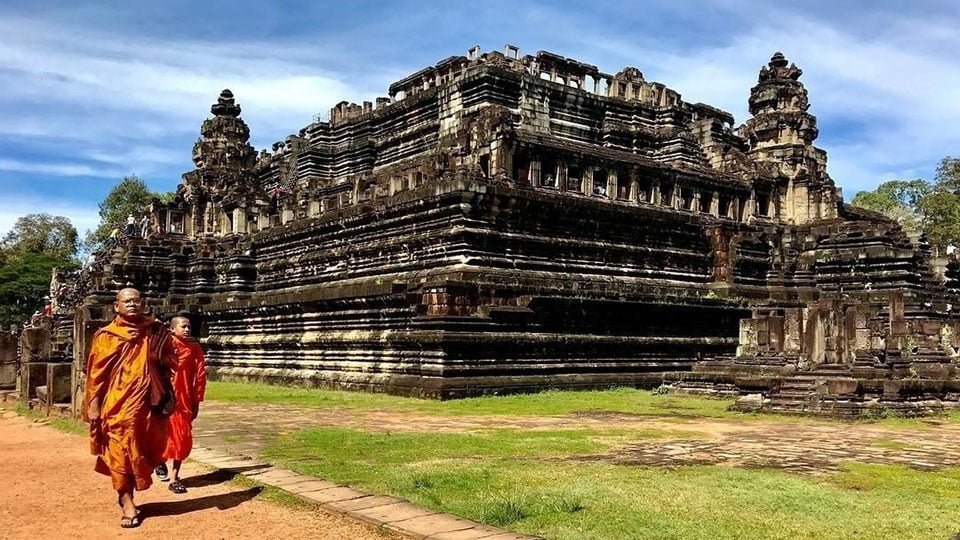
96 91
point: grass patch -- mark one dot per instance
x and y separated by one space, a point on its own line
891 444
556 402
68 425
272 494
521 481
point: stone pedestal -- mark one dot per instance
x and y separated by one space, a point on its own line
8 360
32 375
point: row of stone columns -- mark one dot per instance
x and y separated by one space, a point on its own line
652 194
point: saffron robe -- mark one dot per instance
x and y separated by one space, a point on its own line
127 374
189 385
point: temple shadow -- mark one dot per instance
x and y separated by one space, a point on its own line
220 502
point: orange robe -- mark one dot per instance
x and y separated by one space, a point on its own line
189 385
127 374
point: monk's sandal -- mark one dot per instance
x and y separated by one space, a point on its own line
161 472
177 487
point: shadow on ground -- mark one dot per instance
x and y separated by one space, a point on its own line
209 479
221 502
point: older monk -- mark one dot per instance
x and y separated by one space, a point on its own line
129 397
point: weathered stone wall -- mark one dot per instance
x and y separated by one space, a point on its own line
504 223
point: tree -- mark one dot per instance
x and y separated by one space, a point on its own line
941 208
896 199
948 174
24 281
932 208
130 196
36 245
42 234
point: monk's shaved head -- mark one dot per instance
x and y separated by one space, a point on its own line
180 326
128 305
127 292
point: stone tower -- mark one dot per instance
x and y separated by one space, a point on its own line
780 135
223 185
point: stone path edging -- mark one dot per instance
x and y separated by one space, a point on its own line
390 513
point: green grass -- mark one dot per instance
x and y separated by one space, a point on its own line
524 481
618 400
550 403
69 425
272 494
891 444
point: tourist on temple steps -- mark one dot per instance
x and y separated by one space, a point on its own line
189 384
129 398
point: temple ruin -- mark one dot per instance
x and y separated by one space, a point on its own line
503 223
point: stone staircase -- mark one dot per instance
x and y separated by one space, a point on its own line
794 396
810 392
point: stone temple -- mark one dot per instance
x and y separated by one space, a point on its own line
506 223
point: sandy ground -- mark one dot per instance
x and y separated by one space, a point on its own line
49 490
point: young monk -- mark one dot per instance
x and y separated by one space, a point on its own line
189 383
128 397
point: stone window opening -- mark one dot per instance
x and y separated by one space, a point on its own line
175 221
545 76
600 182
724 206
623 185
521 169
763 204
512 52
706 200
644 190
485 165
621 90
574 178
601 85
548 173
686 198
666 195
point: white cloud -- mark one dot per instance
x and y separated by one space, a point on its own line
120 103
175 81
898 93
82 217
55 169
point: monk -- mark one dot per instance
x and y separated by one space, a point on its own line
189 385
128 399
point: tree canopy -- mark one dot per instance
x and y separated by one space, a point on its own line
36 245
42 233
130 196
930 207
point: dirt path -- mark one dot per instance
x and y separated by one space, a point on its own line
50 491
